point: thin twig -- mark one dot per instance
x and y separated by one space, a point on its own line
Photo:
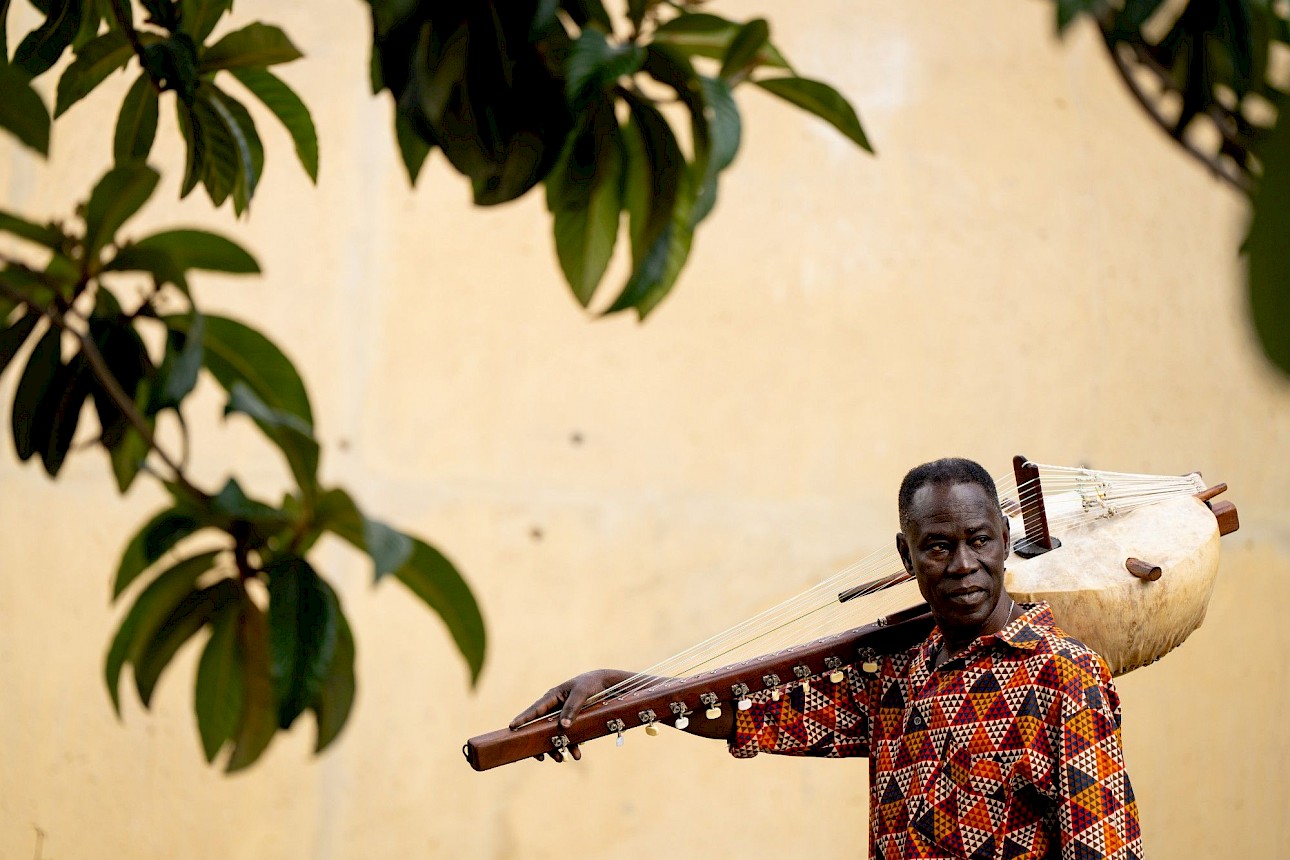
1240 181
111 386
132 36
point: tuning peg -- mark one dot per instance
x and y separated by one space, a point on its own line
714 707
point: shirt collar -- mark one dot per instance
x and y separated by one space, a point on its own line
1023 633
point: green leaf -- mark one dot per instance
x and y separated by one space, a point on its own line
674 70
91 22
726 132
4 32
116 197
130 453
218 694
335 697
163 13
302 635
283 102
193 133
584 193
188 249
1267 250
1067 10
156 604
13 337
655 274
222 163
38 288
289 432
42 366
234 510
136 125
654 167
413 148
822 100
198 17
127 359
61 412
172 64
594 64
636 10
235 155
744 48
588 13
250 149
259 720
234 353
699 34
22 113
93 63
389 549
47 235
177 375
43 46
190 616
154 540
434 579
254 45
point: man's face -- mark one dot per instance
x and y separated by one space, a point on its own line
956 542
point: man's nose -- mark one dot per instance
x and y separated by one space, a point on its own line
962 561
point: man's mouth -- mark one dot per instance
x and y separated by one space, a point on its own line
966 595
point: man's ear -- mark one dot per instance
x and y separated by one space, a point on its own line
902 547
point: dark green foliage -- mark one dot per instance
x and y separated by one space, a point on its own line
136 126
822 100
1214 57
218 695
94 62
22 113
30 422
157 609
435 580
42 47
473 79
1267 251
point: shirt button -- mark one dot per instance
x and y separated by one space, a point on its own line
918 719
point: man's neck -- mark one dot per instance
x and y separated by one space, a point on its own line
957 640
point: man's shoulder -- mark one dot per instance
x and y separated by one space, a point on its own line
1063 663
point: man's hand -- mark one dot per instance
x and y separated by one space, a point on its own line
569 697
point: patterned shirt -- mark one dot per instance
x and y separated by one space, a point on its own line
1010 749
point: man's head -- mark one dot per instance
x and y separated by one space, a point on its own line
955 540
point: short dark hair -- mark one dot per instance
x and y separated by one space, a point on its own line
946 471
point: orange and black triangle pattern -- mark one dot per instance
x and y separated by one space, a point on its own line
1011 749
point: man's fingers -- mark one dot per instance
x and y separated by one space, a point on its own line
572 704
540 708
575 752
556 757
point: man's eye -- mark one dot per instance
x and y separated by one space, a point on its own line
980 541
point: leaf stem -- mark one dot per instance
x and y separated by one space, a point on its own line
132 36
103 374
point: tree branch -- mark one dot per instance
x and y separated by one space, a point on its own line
108 381
132 36
1238 179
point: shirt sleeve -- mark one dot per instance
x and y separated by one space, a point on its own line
815 716
1096 814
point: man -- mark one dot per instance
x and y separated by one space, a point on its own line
997 736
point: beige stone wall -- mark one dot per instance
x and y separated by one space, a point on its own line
1026 267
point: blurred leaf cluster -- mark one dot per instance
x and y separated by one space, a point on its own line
1215 76
614 113
95 319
